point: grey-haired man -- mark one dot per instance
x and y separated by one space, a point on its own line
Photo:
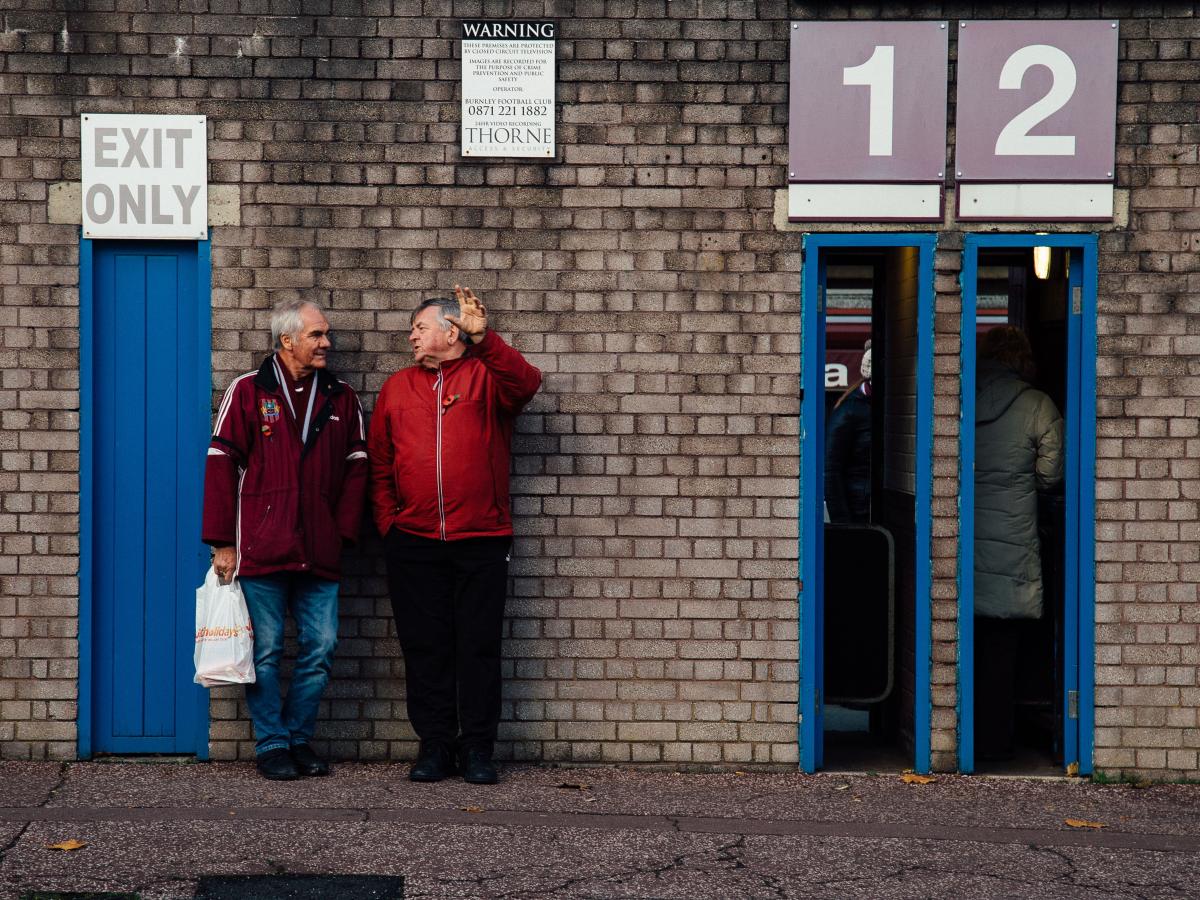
283 492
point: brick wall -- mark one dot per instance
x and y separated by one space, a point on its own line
653 616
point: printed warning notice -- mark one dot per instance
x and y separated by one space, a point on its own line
508 88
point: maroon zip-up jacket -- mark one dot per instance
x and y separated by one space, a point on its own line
287 507
440 443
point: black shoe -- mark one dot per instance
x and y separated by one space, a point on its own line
277 765
308 763
477 766
433 763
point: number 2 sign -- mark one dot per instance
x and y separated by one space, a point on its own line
867 120
1036 103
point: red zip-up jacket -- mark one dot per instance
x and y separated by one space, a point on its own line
287 507
440 443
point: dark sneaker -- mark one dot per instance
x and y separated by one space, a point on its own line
433 763
277 765
478 768
308 763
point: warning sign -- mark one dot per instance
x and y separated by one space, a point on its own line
508 88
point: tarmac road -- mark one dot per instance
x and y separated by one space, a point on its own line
182 830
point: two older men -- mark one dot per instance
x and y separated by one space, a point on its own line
283 492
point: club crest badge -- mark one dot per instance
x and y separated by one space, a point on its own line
269 410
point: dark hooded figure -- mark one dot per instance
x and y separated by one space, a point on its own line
848 452
1018 452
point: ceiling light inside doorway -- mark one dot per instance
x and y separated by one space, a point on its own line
1041 262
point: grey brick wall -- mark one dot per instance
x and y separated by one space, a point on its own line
653 612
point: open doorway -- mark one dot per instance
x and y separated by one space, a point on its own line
1028 442
866 567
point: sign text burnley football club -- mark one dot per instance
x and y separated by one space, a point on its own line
508 88
144 176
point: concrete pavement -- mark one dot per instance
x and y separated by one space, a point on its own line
175 830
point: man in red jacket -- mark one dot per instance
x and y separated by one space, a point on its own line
439 445
283 491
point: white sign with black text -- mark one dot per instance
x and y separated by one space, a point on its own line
144 177
508 88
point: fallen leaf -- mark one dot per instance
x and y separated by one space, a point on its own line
574 786
842 787
472 809
1083 823
1073 770
72 844
739 773
911 778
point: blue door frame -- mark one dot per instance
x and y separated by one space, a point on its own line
812 489
1080 473
188 702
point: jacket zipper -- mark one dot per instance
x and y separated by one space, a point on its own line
437 413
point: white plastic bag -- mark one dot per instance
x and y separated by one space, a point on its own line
224 635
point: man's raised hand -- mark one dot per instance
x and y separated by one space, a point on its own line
472 317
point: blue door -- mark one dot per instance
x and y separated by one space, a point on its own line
145 385
817 249
812 520
1074 647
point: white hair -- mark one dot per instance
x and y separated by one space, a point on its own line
285 318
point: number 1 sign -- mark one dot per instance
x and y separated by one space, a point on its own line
867 121
1036 119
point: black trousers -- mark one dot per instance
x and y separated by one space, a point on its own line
448 601
996 645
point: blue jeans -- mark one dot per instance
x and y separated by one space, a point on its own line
278 723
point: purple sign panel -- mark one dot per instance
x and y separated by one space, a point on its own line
868 102
1037 101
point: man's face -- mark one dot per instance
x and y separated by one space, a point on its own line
308 348
431 343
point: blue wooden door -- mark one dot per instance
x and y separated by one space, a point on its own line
1075 647
146 395
1078 684
812 490
812 518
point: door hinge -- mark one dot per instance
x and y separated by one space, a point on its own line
1077 300
1072 704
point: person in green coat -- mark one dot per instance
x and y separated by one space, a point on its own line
1018 452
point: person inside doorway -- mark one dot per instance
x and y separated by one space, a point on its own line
1018 452
439 446
284 489
848 451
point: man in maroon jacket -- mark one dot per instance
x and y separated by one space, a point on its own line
283 491
439 447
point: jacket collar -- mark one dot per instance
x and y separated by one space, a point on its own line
327 383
